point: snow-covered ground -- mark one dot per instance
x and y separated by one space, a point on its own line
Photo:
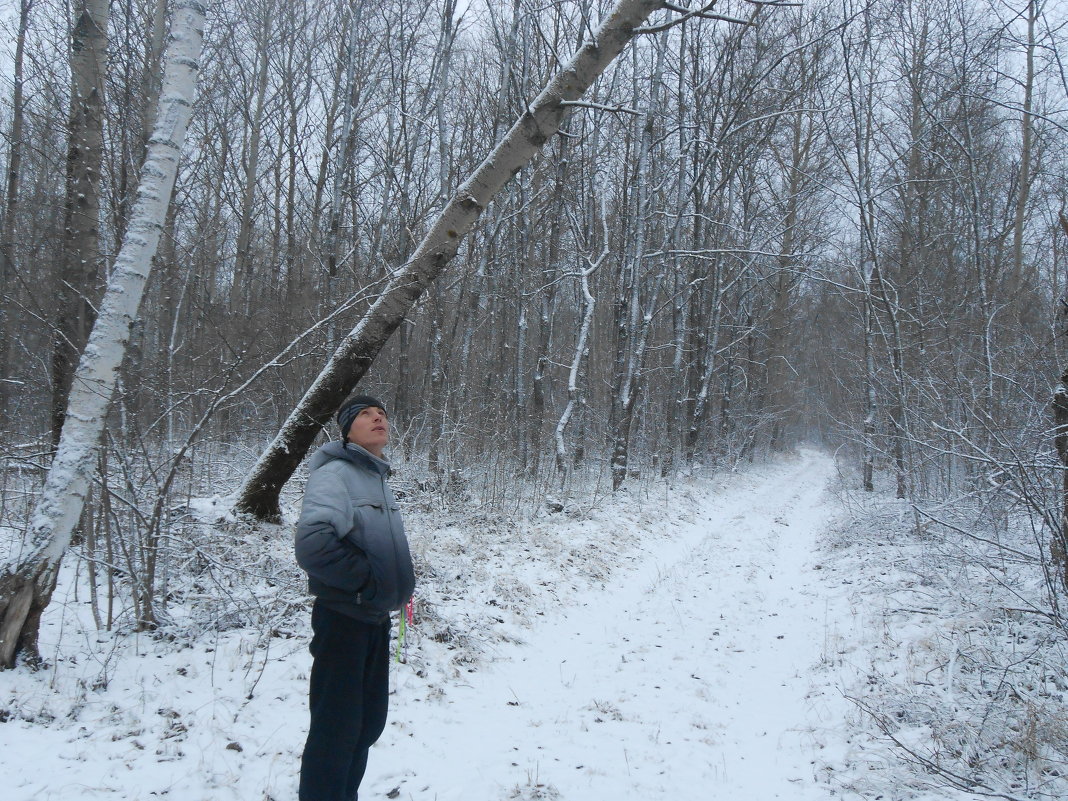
695 640
697 668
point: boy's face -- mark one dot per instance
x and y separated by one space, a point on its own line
370 430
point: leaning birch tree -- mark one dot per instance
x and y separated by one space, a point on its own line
29 575
357 350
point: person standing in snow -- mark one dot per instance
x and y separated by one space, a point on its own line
350 541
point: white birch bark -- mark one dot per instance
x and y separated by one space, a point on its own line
29 576
588 306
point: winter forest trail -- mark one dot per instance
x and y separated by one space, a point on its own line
699 659
693 675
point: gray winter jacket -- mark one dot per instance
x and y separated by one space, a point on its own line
350 539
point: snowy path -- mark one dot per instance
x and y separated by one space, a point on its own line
705 668
691 676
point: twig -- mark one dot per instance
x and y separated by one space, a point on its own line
955 780
598 107
1030 557
687 14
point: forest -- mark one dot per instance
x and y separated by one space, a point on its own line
830 224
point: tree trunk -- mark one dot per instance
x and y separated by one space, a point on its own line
779 367
702 397
541 120
1026 137
436 407
77 286
241 297
546 303
870 400
11 199
26 583
574 397
682 291
341 168
632 322
1059 540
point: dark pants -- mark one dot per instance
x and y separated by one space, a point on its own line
348 699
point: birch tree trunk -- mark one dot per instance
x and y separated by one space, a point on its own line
475 293
581 352
29 577
357 350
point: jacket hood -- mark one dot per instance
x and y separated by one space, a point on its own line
350 452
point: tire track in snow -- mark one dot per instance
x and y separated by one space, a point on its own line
690 676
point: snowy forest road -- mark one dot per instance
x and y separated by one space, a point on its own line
694 675
704 664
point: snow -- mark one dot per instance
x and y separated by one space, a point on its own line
695 640
692 670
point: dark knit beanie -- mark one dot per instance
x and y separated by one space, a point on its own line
352 406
